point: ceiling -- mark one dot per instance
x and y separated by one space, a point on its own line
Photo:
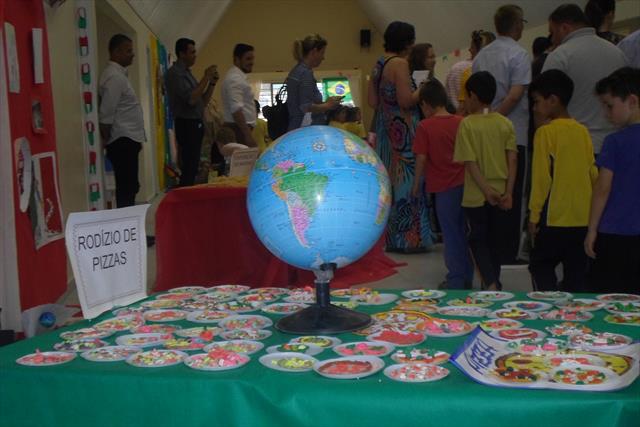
444 23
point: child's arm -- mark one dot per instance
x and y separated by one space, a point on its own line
417 179
506 200
598 202
490 193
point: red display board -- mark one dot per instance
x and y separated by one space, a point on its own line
42 271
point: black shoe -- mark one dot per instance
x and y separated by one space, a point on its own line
151 240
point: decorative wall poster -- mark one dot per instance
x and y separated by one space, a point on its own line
36 42
13 64
495 362
24 171
338 86
87 60
37 120
46 198
108 254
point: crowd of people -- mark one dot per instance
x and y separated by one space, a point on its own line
559 135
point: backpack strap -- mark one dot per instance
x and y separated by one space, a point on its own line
382 69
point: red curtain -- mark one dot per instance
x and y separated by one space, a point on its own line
42 272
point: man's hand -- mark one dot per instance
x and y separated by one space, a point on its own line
506 202
212 73
533 231
492 196
589 243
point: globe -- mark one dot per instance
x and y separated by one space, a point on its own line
319 195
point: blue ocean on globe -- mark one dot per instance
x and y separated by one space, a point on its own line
319 195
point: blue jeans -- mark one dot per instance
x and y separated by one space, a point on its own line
456 249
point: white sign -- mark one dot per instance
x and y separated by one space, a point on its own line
108 253
242 162
420 76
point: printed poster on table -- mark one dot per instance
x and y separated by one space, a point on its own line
490 361
108 253
45 210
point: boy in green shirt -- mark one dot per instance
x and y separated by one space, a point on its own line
563 173
486 143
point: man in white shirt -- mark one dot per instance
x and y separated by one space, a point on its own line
238 105
510 65
121 121
587 59
630 46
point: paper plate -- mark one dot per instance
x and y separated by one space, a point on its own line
550 296
600 341
288 362
239 307
341 293
436 327
623 307
308 349
156 304
317 340
175 295
499 324
528 305
517 334
156 358
567 329
582 376
207 316
112 353
237 346
556 360
584 304
128 311
246 334
374 299
215 297
513 313
397 338
120 323
463 311
188 289
46 358
470 302
537 346
491 295
301 298
186 343
566 314
364 348
198 305
346 368
86 333
157 328
246 321
623 319
142 340
424 293
167 315
230 289
271 290
619 298
198 330
345 304
217 360
283 307
263 297
417 372
423 355
79 345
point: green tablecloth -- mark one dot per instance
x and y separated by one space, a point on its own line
82 393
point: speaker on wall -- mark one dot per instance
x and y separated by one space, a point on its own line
365 38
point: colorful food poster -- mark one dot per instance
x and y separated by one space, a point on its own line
46 200
490 361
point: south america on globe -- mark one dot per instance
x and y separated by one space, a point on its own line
319 195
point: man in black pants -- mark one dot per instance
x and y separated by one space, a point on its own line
187 99
121 121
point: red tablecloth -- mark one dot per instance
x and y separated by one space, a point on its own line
204 236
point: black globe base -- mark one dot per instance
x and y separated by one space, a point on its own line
323 320
322 317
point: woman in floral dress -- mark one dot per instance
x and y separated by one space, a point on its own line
396 119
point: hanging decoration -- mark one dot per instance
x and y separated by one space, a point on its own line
87 53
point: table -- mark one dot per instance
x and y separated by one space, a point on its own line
204 236
82 393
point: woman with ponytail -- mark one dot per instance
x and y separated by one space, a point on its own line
303 96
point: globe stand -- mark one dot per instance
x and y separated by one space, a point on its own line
322 317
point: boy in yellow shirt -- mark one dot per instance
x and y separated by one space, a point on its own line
486 143
563 173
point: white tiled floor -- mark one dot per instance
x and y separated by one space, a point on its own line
424 270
